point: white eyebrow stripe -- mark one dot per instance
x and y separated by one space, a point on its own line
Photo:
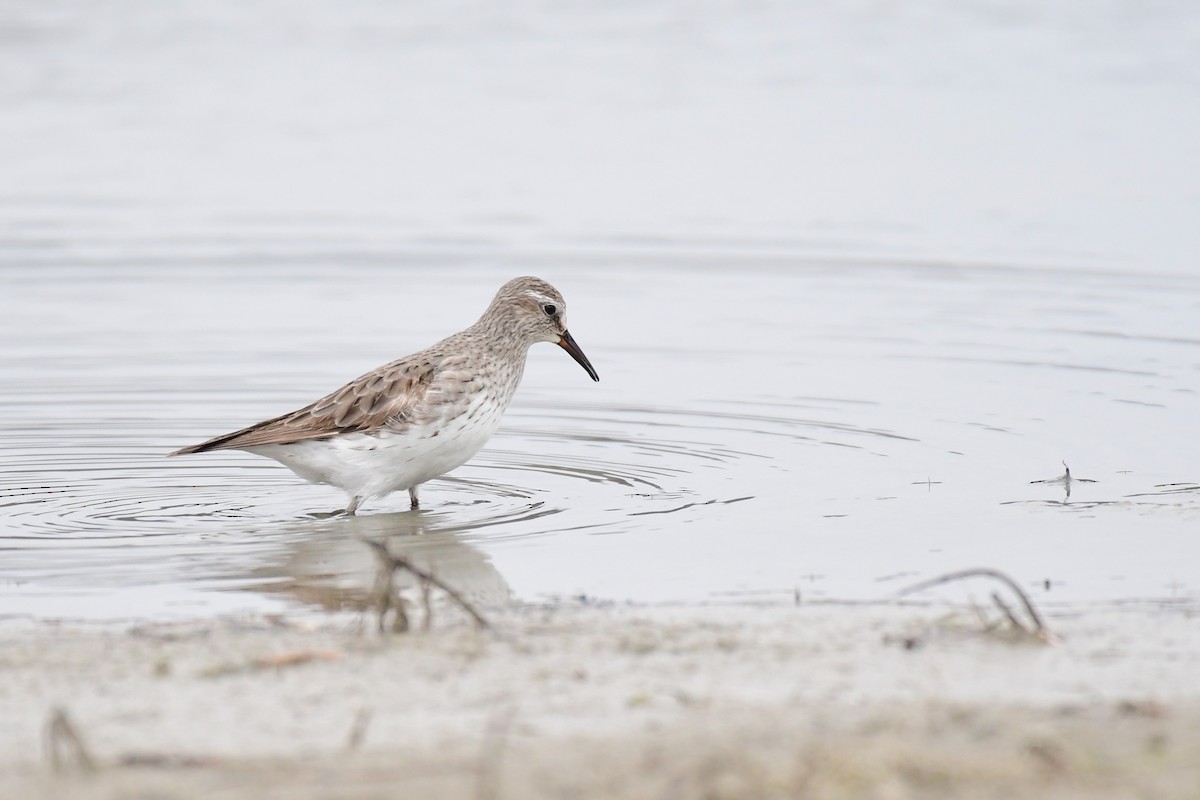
541 298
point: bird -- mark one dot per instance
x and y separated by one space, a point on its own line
420 416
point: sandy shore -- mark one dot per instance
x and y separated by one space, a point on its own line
720 702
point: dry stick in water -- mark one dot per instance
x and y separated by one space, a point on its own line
62 737
394 562
427 620
1039 627
1010 615
387 598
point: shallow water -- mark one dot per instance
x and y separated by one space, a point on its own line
834 429
837 347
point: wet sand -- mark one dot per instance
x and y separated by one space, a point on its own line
584 701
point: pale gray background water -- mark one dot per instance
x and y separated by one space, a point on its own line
852 278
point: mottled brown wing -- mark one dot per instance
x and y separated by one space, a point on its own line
389 396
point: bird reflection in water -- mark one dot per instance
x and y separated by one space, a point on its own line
344 564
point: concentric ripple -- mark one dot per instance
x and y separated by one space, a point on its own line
109 508
119 484
730 449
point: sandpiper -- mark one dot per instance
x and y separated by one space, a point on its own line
420 416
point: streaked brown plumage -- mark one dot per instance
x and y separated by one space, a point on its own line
419 416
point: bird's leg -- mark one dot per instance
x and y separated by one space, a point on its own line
353 507
413 502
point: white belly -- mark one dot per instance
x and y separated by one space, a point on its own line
371 465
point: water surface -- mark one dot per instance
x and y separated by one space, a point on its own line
854 279
835 429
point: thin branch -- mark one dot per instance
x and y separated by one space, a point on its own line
395 562
427 620
358 730
1040 628
1007 611
388 599
61 738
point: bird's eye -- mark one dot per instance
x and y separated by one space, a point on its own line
550 309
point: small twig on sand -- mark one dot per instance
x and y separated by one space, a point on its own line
392 562
980 615
1007 611
275 661
358 730
1039 626
62 739
165 761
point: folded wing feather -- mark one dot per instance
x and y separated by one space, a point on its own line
386 397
